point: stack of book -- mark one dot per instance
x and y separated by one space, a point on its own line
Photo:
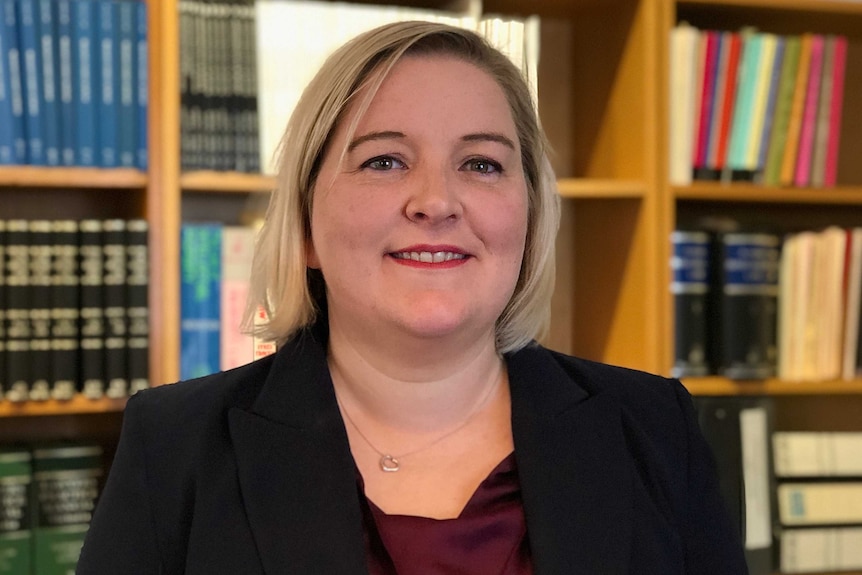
755 106
819 501
73 83
74 296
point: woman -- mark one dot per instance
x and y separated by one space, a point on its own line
409 423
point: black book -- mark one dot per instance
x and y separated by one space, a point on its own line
40 250
114 294
738 429
690 288
65 291
92 363
3 241
137 305
17 267
745 304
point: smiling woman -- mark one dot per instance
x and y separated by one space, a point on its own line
409 422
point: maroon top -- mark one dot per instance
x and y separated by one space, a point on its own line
489 537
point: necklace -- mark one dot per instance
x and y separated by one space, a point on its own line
390 463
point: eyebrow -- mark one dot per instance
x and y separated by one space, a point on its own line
392 135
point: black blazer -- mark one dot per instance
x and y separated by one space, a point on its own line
249 472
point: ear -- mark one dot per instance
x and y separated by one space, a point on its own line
311 259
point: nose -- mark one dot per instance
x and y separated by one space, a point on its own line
434 198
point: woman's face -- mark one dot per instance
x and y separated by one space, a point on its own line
422 226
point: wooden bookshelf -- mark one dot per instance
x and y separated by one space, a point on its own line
41 177
78 405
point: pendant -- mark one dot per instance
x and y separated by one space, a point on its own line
389 464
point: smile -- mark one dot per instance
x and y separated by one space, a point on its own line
428 257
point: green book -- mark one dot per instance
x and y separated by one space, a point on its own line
66 486
783 105
16 476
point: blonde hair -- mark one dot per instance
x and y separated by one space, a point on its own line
292 294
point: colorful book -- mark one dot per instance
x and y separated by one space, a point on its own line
797 108
774 72
759 104
709 41
830 174
728 102
802 172
781 116
200 285
821 122
744 102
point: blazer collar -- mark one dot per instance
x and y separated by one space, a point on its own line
569 445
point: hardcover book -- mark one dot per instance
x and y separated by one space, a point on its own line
18 332
137 304
114 305
40 251
200 285
16 476
65 291
92 274
690 289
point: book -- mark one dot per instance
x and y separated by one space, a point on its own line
200 284
142 84
49 96
7 135
40 254
92 274
820 503
802 173
85 62
18 334
781 117
746 275
236 348
853 305
683 42
65 291
16 477
766 129
764 79
728 103
3 241
127 114
107 96
738 430
65 83
31 65
10 71
797 107
137 304
114 306
817 453
744 103
820 549
821 123
835 112
708 69
690 288
66 481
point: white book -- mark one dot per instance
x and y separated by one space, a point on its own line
817 453
852 306
820 550
818 503
684 40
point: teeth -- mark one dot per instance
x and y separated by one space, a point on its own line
429 257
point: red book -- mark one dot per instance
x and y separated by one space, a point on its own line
839 64
728 100
706 98
809 119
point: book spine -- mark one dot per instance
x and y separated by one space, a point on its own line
771 100
92 365
794 126
820 549
66 88
65 291
126 96
781 117
114 304
7 143
821 122
749 292
200 299
683 41
137 306
820 503
66 484
85 59
17 311
806 135
10 53
3 241
236 348
729 101
690 287
818 454
16 477
32 67
830 175
707 99
744 103
108 83
39 247
49 104
759 102
142 86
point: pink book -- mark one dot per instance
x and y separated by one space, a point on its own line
839 64
707 97
806 137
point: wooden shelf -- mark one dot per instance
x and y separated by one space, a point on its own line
42 177
593 188
77 405
743 192
226 182
715 385
841 7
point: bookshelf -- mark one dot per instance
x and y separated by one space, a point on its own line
603 99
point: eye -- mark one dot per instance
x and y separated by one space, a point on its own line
383 163
483 166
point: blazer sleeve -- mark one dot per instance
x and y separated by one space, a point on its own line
712 542
122 537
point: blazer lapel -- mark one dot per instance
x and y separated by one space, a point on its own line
576 479
296 473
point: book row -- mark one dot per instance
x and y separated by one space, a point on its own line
284 30
47 497
73 83
797 495
214 284
754 305
73 308
755 106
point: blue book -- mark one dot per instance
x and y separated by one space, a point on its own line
11 55
107 100
32 80
200 297
126 109
66 79
49 94
85 63
7 135
142 82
